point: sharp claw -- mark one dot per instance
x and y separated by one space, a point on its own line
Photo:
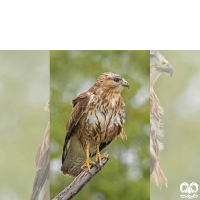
96 163
90 173
91 166
100 157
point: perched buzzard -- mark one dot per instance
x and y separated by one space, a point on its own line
96 119
42 163
158 64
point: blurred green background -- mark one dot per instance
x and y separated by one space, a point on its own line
180 98
126 174
24 90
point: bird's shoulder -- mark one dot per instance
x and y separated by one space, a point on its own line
80 106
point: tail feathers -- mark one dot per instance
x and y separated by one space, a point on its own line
72 165
159 176
74 159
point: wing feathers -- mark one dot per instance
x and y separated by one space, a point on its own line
79 108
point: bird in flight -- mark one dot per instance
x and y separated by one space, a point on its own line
96 119
158 65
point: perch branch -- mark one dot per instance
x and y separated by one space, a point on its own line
80 181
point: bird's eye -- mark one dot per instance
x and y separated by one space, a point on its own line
116 79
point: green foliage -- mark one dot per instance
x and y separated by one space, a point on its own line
126 174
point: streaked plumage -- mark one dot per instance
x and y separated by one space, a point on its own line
97 118
158 64
41 190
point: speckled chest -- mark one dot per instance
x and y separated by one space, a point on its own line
103 118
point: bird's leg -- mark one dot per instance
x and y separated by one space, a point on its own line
88 161
99 156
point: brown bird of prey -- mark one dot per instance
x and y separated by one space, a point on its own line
96 119
42 163
158 65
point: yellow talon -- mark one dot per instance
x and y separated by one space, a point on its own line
99 157
88 161
87 164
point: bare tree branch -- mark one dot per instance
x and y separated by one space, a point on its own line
80 181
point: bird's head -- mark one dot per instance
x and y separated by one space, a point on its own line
111 82
158 65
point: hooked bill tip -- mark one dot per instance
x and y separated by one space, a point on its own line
171 73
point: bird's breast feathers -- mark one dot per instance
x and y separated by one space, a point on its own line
103 117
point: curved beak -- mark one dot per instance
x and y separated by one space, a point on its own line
126 84
167 68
